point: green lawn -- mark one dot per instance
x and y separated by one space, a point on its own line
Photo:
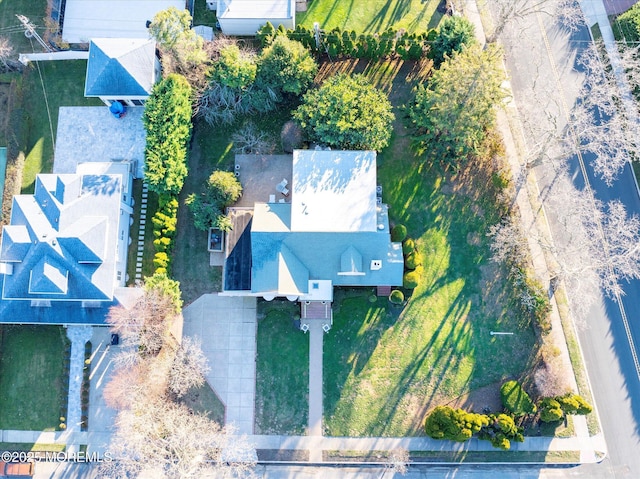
282 383
385 367
63 82
11 27
371 15
33 377
204 401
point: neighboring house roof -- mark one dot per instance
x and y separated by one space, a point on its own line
255 9
120 67
332 229
61 247
87 19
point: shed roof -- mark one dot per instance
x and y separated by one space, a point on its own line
87 19
251 9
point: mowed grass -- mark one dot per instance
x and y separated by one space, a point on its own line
282 382
63 82
11 28
371 16
386 367
33 377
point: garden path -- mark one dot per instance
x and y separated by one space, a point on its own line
78 335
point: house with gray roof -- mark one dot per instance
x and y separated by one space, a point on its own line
63 256
330 230
122 69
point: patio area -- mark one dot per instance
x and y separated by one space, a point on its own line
91 133
260 176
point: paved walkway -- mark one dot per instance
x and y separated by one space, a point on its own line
226 327
141 231
316 335
78 335
101 417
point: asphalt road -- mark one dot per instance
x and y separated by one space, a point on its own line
550 66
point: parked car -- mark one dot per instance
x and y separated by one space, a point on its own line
16 469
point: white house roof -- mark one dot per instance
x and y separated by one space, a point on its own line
333 191
263 9
87 19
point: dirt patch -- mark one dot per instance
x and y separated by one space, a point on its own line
485 399
474 238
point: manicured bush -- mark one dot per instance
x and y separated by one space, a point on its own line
410 280
398 233
347 112
515 399
550 410
444 422
574 404
223 188
408 246
412 261
396 297
501 431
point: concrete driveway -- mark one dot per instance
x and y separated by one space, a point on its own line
226 327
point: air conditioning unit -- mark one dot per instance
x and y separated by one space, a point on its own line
376 264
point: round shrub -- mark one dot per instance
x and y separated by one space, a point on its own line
396 296
550 410
398 233
373 298
408 247
412 261
410 280
515 399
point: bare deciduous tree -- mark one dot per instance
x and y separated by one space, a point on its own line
188 368
250 140
146 325
398 461
170 440
513 12
6 52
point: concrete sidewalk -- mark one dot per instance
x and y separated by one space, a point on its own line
226 327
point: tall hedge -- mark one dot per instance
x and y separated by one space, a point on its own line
167 120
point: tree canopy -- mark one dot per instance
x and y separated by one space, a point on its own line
452 112
235 68
221 190
454 34
286 67
347 112
167 120
171 28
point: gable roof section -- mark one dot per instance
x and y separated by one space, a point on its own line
120 66
333 191
62 240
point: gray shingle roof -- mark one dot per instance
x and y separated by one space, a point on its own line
62 240
120 67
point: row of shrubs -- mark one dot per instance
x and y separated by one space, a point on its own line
445 422
551 409
349 43
164 230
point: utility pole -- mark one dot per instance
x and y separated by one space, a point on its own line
30 31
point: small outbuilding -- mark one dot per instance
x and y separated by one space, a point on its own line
122 69
245 17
